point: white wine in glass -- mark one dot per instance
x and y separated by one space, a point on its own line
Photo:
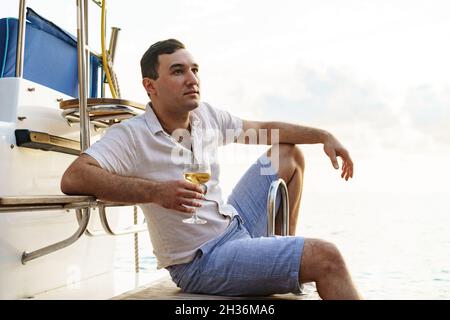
197 177
197 174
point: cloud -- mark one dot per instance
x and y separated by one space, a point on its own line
363 112
427 108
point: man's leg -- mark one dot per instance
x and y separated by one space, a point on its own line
323 264
291 166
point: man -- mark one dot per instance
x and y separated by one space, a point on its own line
141 161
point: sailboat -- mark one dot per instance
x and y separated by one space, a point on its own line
53 105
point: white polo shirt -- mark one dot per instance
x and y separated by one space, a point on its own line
139 147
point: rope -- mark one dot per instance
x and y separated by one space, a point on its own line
115 80
136 242
104 51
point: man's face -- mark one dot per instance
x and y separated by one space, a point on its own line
178 85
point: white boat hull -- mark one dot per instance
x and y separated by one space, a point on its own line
25 171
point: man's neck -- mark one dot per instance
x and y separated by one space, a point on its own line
171 121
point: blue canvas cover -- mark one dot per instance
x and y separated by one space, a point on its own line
50 55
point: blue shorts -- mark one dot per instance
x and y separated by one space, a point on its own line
243 261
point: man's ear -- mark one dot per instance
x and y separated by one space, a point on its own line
149 85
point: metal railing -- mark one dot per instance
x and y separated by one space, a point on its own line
27 256
82 206
82 75
20 40
107 229
271 207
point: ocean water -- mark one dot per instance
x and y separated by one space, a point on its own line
396 245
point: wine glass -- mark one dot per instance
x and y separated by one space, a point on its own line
197 173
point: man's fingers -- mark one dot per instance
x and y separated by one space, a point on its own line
184 209
345 175
332 156
192 186
350 168
336 150
192 195
190 202
335 163
347 170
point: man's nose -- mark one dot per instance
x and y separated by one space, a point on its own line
192 78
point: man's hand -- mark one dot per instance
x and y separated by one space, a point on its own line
178 194
296 134
333 148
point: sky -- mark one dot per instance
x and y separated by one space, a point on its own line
374 73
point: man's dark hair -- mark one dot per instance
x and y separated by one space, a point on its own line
150 62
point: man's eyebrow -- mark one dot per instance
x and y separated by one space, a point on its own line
180 65
176 65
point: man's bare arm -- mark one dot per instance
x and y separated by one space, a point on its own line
296 134
287 132
85 176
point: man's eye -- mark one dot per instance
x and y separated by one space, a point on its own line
195 70
178 71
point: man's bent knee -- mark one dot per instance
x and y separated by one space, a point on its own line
289 158
333 262
319 259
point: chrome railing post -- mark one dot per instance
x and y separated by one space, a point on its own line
27 256
85 136
271 207
113 42
21 39
82 79
88 52
136 228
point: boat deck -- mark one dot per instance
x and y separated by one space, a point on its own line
165 289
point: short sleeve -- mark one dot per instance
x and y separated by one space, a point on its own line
229 125
116 150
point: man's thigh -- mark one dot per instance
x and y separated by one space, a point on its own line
249 196
250 266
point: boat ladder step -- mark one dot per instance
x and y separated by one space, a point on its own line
81 204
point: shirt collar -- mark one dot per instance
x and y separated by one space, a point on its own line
194 118
154 124
152 119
